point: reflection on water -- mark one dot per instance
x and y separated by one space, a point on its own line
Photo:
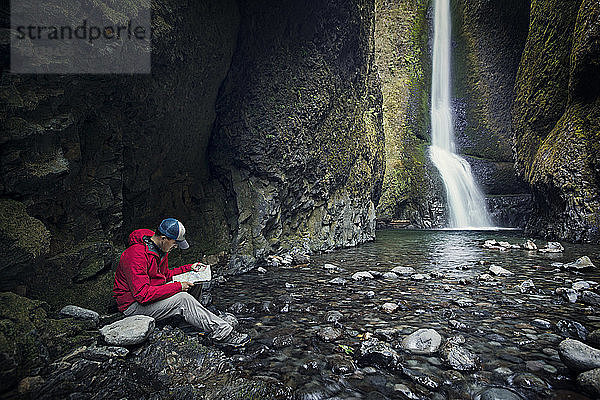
286 308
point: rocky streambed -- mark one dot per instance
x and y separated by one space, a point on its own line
413 315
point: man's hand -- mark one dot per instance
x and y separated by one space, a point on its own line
198 266
186 285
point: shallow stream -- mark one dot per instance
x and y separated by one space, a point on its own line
286 307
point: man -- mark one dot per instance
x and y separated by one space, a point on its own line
143 283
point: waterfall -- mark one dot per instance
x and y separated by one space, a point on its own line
465 202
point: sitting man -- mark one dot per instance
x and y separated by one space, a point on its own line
143 283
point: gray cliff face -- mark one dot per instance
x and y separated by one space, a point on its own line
289 94
298 141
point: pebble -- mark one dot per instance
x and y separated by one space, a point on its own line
417 277
541 323
362 275
389 307
499 271
403 270
334 316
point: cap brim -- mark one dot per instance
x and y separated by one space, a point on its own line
183 244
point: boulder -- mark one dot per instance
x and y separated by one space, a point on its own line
422 341
128 331
459 358
329 334
389 307
497 394
578 356
529 245
552 247
571 329
390 276
589 382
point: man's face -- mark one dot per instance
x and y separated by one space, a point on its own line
167 244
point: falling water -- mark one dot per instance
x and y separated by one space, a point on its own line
465 201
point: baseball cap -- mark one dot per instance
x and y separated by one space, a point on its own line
174 229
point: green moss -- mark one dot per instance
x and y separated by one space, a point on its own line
18 227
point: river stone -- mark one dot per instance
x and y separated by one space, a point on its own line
403 270
552 247
329 334
386 334
334 316
389 307
594 338
529 245
486 277
282 341
529 381
578 356
541 323
374 352
80 313
499 271
497 394
128 331
362 275
580 285
527 286
261 270
568 294
338 281
581 264
589 382
390 276
422 341
591 298
459 358
571 329
417 277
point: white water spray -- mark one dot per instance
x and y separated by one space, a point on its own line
465 202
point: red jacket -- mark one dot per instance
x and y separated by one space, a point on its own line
142 275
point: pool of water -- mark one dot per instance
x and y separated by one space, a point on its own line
285 308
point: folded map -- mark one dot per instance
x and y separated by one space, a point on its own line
203 275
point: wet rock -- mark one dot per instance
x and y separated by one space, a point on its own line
591 298
333 268
29 384
499 271
376 353
405 391
552 247
594 338
571 329
581 264
104 353
261 270
362 275
454 324
369 294
403 270
282 341
128 331
422 341
418 277
497 394
329 334
464 302
79 313
289 285
541 323
459 358
492 244
580 285
589 382
341 364
299 258
376 274
527 286
334 316
389 307
238 308
267 306
529 245
578 356
230 319
486 277
568 294
390 276
338 281
387 335
428 380
527 380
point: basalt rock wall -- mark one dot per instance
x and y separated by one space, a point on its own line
556 117
298 141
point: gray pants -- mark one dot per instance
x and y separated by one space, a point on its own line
187 306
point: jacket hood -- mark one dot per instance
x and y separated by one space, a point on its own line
137 236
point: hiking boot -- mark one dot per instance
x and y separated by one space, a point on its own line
235 339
